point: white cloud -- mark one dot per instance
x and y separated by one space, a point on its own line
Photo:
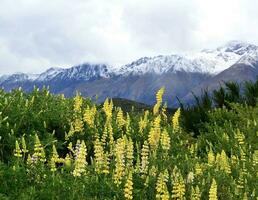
37 34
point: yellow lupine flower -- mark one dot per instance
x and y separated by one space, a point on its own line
104 135
234 159
75 127
224 164
17 151
54 159
78 125
89 115
143 122
80 160
159 94
161 187
244 169
120 118
211 158
52 165
240 137
39 153
145 158
99 156
178 189
198 169
101 163
128 188
120 161
110 133
190 177
106 163
242 155
77 103
213 191
175 120
107 108
154 135
158 100
153 171
129 153
165 140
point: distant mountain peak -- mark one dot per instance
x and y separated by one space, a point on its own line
238 47
49 74
210 61
250 59
18 77
82 72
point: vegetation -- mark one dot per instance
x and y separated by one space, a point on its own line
225 97
52 147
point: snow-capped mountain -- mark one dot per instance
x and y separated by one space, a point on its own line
49 74
238 47
18 77
139 80
211 61
249 58
83 72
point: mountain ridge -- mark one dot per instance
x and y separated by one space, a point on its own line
180 73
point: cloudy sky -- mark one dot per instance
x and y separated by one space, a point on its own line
38 34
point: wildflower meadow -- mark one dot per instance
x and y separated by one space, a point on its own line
53 147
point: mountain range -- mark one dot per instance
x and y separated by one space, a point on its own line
180 74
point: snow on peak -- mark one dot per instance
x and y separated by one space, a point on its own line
211 61
32 77
18 77
49 74
157 64
82 72
238 47
250 59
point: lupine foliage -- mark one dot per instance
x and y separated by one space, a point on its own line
52 147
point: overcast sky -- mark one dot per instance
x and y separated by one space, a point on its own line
38 34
